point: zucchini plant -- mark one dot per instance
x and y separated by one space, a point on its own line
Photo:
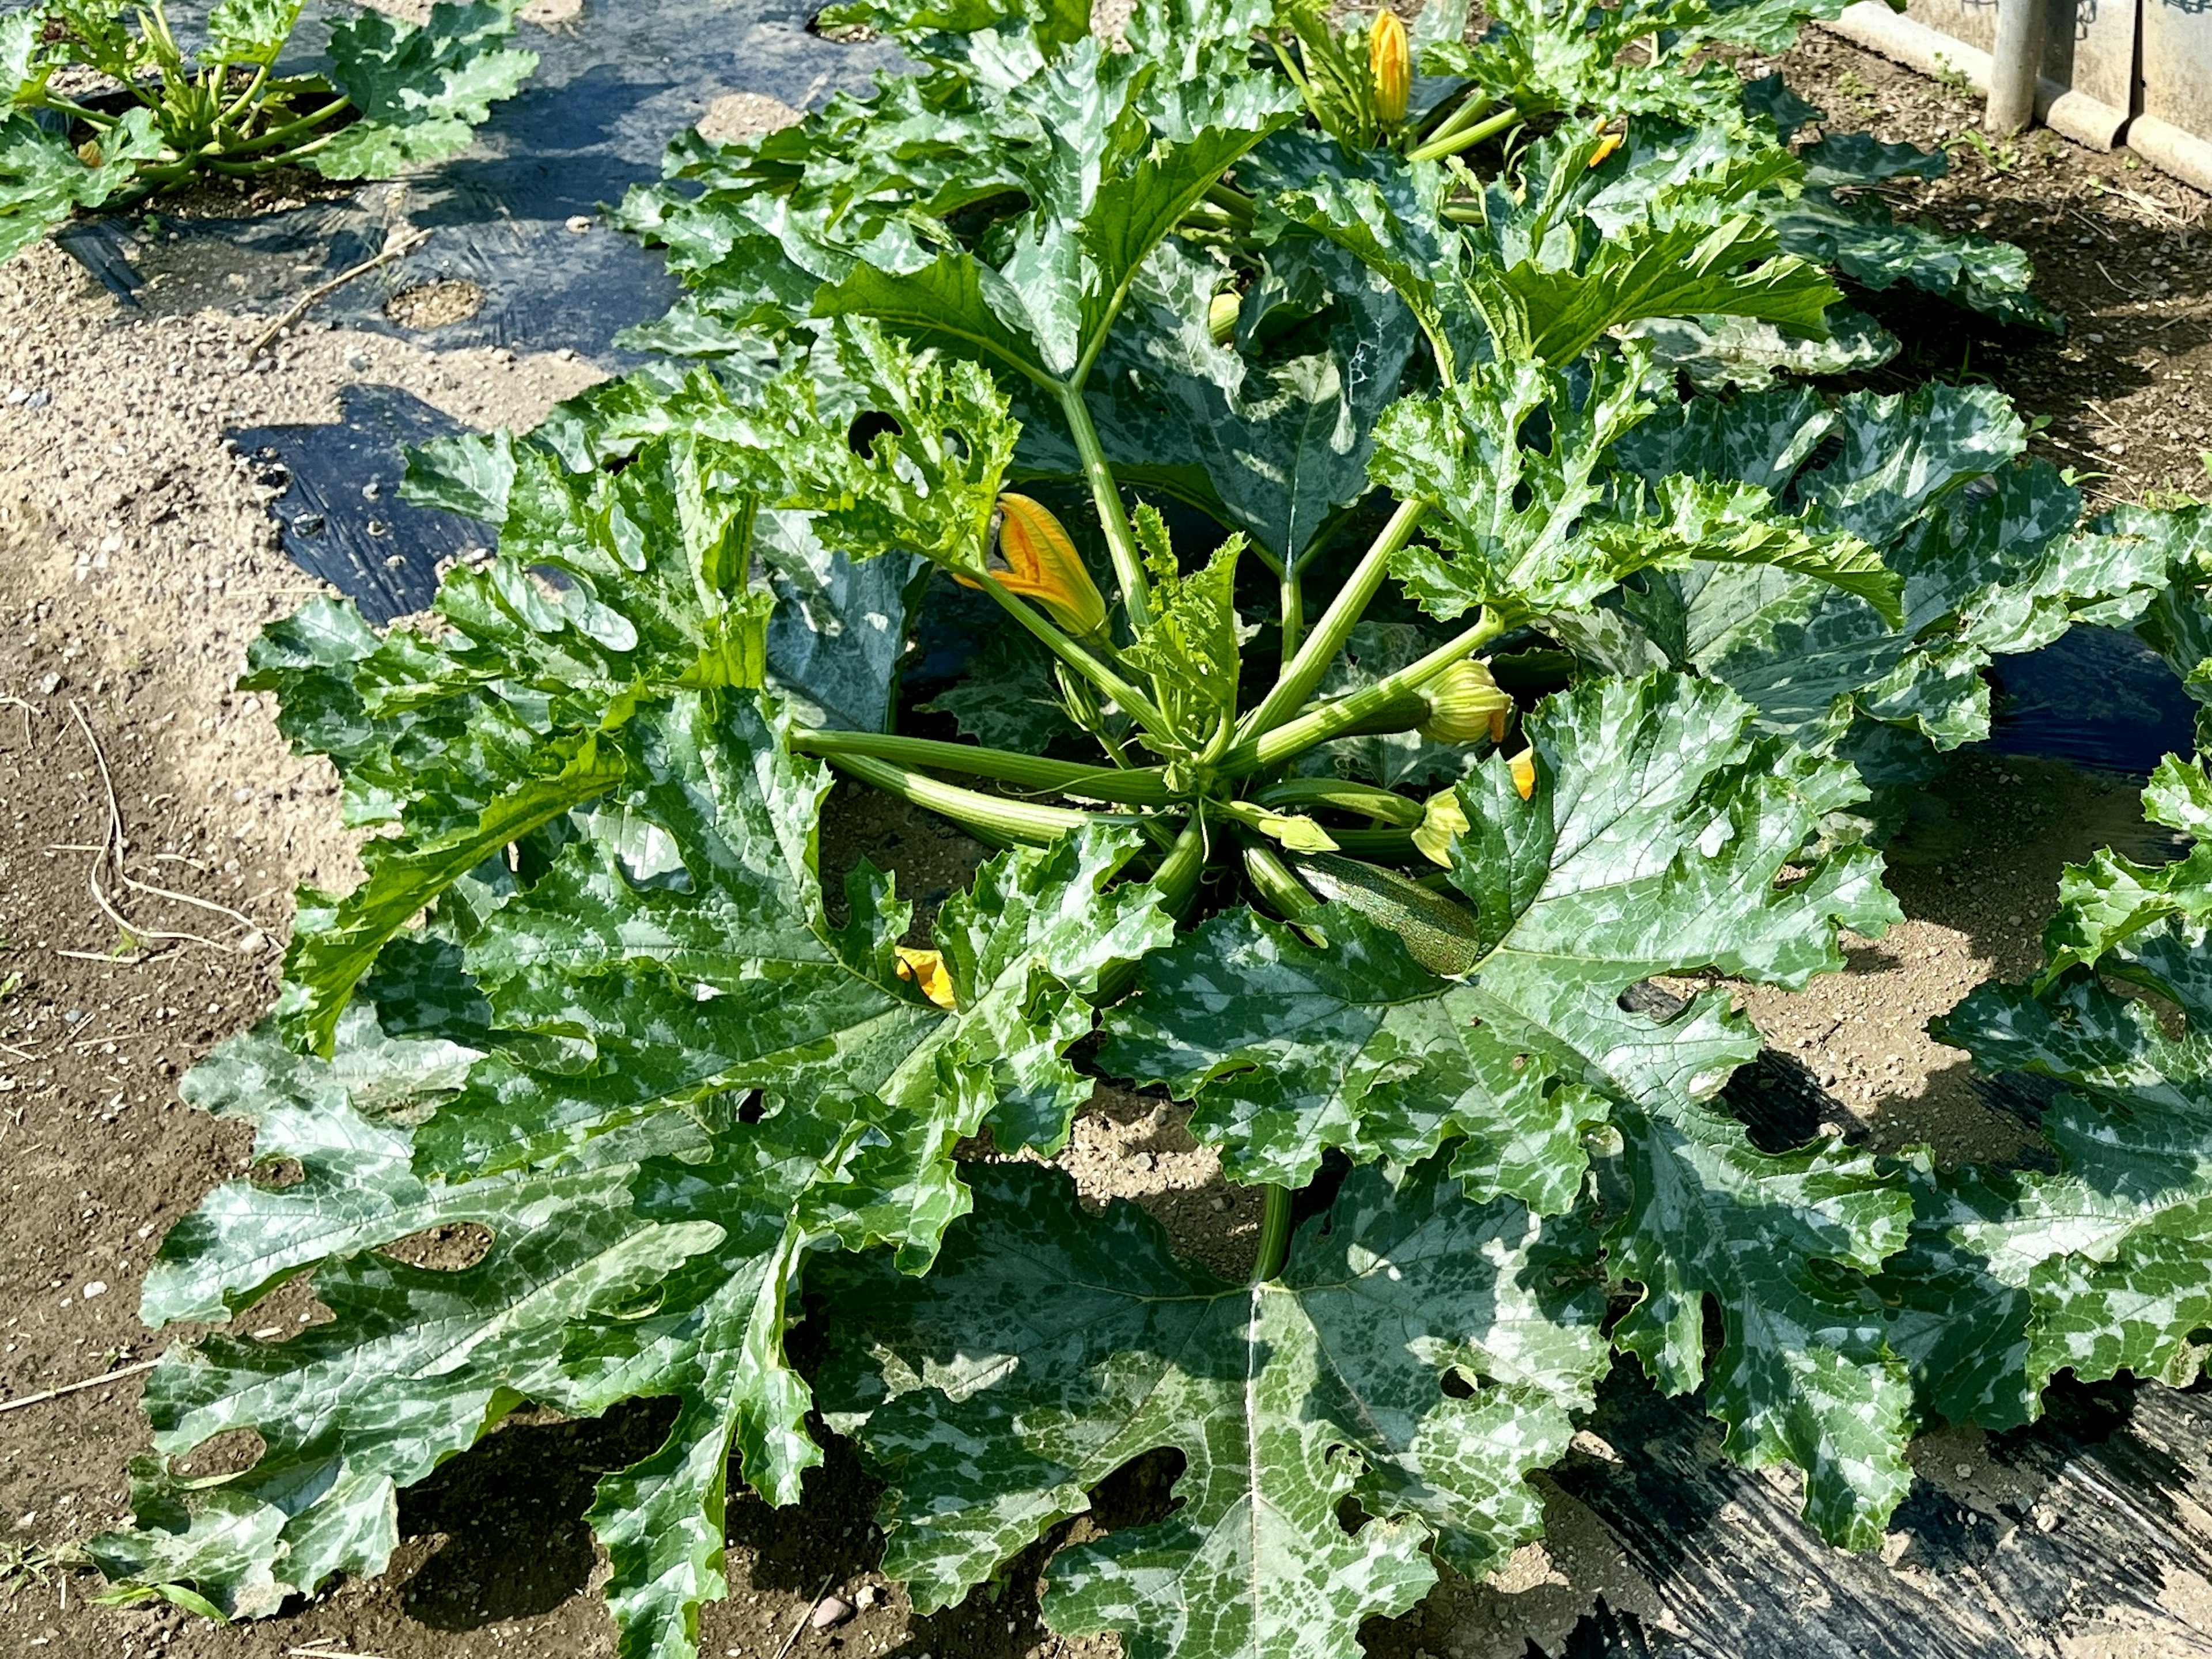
1396 668
392 95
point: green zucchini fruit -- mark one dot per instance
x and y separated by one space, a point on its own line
1441 935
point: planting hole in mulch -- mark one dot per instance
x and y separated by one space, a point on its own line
434 305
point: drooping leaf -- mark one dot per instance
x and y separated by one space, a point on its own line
1072 1344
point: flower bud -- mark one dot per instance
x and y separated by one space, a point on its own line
1524 766
1465 704
1221 315
925 968
1390 65
1042 564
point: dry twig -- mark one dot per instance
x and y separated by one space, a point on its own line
112 850
77 1387
399 242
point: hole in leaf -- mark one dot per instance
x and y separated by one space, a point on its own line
867 427
752 1111
1523 496
1140 1492
447 1249
275 1175
231 1452
1457 1385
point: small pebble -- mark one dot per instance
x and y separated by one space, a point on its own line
578 223
94 1287
829 1611
1962 1470
356 362
866 1596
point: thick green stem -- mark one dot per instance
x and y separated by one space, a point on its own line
1132 703
1144 788
1177 880
994 815
1232 201
1177 875
1294 612
1470 108
1392 843
69 106
1334 720
278 136
1274 1235
1274 882
1362 798
271 163
1467 138
1106 496
230 112
1304 669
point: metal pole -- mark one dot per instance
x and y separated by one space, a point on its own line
2013 65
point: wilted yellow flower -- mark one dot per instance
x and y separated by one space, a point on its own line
927 970
1465 704
1524 772
1441 820
1390 64
1612 144
1042 564
1221 315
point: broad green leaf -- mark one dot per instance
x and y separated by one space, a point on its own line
1514 463
1189 647
422 91
1981 541
2178 622
2114 1249
1719 352
621 993
1642 58
43 180
2111 899
929 443
1780 1243
1650 845
1961 1332
21 64
620 1007
1857 236
1281 433
1569 249
324 964
495 731
1070 1344
251 31
1111 169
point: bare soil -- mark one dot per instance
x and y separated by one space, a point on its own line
136 560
